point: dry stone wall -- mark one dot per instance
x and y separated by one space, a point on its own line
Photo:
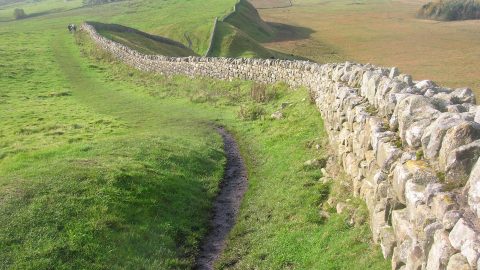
411 148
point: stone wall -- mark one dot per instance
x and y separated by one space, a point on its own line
411 148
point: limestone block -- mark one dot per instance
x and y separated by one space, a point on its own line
416 171
462 95
401 225
387 241
474 191
450 218
394 72
443 202
458 262
387 154
460 162
414 196
433 135
400 254
429 233
422 216
400 177
464 237
425 84
415 259
440 251
412 109
461 134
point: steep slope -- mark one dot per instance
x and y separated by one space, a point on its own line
246 18
240 34
141 41
233 42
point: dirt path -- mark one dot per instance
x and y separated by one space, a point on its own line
226 205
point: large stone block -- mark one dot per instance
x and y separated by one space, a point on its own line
460 162
474 190
458 262
440 251
414 108
387 154
465 237
401 225
433 135
461 134
416 171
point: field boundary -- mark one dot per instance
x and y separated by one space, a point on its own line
211 40
214 29
232 12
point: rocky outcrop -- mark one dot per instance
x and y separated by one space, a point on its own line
411 148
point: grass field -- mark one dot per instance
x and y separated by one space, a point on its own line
37 8
106 167
384 33
93 173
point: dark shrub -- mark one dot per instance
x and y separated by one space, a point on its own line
450 10
19 13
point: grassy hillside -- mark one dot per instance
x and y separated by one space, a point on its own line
240 35
450 10
183 21
36 8
233 42
141 41
94 173
248 20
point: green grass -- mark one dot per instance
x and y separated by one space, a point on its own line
106 167
247 19
37 8
174 19
240 34
98 177
141 41
230 41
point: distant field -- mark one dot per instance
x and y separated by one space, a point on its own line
174 19
385 33
36 8
271 3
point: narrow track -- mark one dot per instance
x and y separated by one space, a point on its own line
226 205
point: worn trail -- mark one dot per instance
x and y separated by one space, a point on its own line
226 205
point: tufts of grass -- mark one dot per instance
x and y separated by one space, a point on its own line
142 42
251 112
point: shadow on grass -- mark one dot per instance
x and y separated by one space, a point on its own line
286 32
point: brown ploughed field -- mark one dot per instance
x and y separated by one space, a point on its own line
380 32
